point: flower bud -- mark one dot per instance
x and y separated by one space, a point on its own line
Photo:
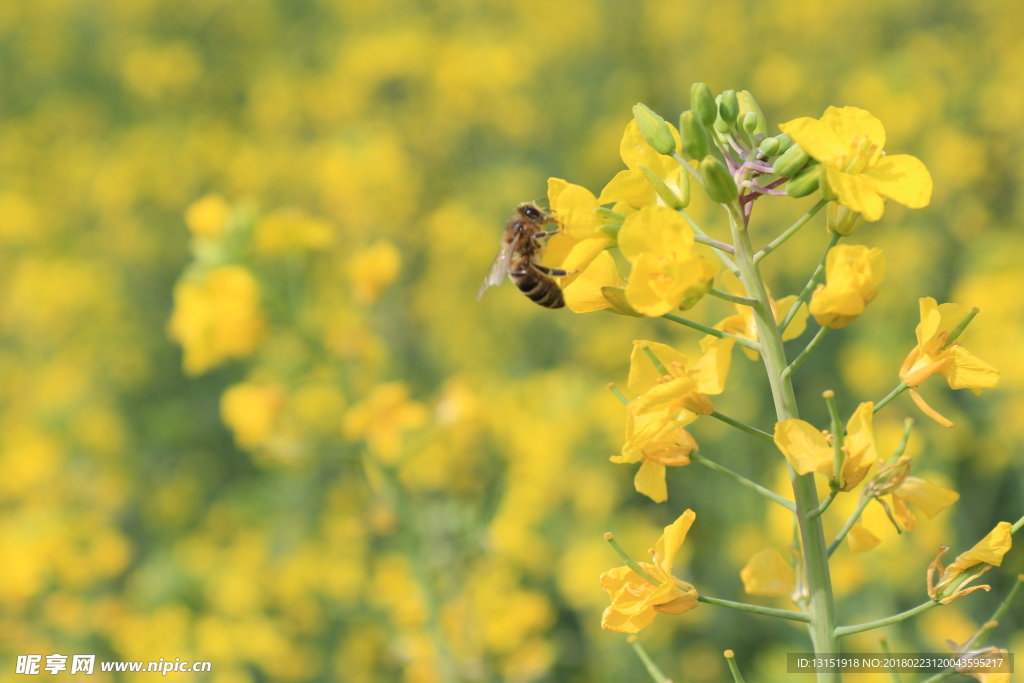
843 220
721 125
749 105
729 107
693 135
804 182
703 103
785 142
750 122
770 147
790 163
672 199
654 129
718 181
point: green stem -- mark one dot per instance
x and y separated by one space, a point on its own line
741 300
895 392
618 393
837 438
753 346
799 360
757 609
743 427
849 524
734 668
811 284
699 232
649 664
1016 527
713 243
790 231
819 581
658 365
685 164
879 623
629 561
743 481
820 510
959 329
888 653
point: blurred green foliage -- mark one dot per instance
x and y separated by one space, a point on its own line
358 473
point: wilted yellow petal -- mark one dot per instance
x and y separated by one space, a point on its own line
804 447
650 481
925 496
712 369
768 573
989 550
670 541
967 371
798 324
859 445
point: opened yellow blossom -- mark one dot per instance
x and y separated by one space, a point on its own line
373 268
635 601
630 186
743 325
853 274
856 172
767 573
251 411
968 566
807 449
208 217
290 230
216 317
667 273
671 447
684 388
579 239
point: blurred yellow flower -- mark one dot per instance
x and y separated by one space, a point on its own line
743 325
251 410
767 573
382 417
807 449
853 274
290 230
667 273
208 217
630 186
216 316
372 269
635 601
848 142
579 239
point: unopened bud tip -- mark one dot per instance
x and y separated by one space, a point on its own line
608 536
729 654
829 394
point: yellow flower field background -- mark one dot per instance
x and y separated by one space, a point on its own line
253 414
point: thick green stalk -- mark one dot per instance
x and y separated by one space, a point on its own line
819 581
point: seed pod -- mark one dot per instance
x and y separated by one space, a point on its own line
805 182
718 181
654 129
693 135
703 103
790 163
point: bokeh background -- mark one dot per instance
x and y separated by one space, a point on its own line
251 413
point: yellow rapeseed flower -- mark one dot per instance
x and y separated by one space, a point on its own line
373 268
635 601
216 317
853 274
382 417
579 239
290 230
667 273
807 449
848 142
923 495
931 356
584 294
251 410
630 186
968 566
207 218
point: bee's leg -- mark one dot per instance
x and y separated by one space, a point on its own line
545 235
553 272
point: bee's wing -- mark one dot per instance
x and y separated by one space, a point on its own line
499 269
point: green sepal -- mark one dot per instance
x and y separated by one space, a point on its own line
729 107
805 182
703 103
616 296
694 135
790 163
770 147
718 181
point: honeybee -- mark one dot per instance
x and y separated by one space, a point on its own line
521 245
